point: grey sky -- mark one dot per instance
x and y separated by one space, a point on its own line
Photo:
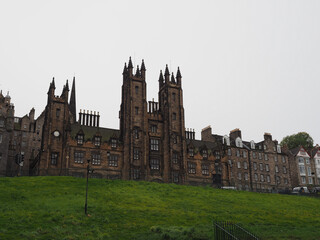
252 65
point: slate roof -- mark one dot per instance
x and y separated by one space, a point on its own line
200 144
90 132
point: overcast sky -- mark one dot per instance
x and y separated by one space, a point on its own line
253 65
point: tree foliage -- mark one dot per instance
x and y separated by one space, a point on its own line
295 140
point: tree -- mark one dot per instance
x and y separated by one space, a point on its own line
295 140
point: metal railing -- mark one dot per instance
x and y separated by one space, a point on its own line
225 230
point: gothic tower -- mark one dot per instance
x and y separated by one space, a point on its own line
133 122
171 107
53 159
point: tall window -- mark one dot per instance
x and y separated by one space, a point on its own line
268 178
136 89
113 160
254 155
1 123
303 180
154 164
245 165
205 169
239 164
239 175
260 155
302 170
256 177
191 168
244 154
96 159
191 152
136 174
80 138
0 157
136 153
238 153
261 166
310 180
262 178
175 158
267 167
113 143
153 128
174 116
174 97
266 157
255 166
277 168
229 151
0 138
78 157
284 169
246 176
97 141
175 177
278 180
136 133
309 171
136 110
58 112
154 144
54 158
204 153
283 159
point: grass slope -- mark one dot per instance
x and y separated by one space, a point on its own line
53 208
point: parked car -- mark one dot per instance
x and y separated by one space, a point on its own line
316 190
229 188
300 190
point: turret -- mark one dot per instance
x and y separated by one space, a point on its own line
130 67
178 77
166 74
72 103
161 79
143 70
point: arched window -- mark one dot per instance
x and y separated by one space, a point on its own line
239 142
226 140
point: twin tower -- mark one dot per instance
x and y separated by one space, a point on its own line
150 144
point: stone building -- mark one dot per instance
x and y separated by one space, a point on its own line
261 166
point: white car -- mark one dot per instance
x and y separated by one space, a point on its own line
299 190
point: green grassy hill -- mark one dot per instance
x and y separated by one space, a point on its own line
53 208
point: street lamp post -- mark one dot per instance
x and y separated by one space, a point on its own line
88 171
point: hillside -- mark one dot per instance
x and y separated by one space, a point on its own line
53 208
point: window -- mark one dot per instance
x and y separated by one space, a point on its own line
204 153
301 160
266 157
268 178
136 89
255 166
174 116
175 177
239 164
283 159
136 174
284 169
80 139
229 151
97 141
261 166
252 145
113 143
0 138
239 142
54 158
174 97
278 180
264 147
302 170
267 167
154 164
275 158
58 112
136 133
274 148
278 148
277 169
307 161
174 138
191 168
246 176
16 120
205 169
285 181
303 180
113 160
262 178
217 154
154 144
136 110
244 154
245 165
254 155
238 153
0 157
256 177
153 128
230 163
1 123
260 155
309 171
78 157
96 159
175 158
239 175
226 140
191 152
310 180
136 153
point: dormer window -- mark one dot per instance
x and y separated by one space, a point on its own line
252 145
204 153
97 141
239 142
113 143
80 138
226 140
278 148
